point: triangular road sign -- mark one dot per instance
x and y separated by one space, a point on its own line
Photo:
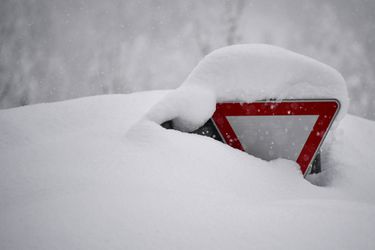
291 129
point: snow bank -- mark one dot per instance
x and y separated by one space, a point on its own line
86 174
348 164
248 73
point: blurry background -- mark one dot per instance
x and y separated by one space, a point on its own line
54 50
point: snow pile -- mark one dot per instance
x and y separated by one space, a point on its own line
86 174
248 73
348 163
99 173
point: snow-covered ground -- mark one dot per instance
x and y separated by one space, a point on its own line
101 173
79 175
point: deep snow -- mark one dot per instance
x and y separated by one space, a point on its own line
247 73
93 174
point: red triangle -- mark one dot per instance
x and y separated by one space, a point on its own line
326 111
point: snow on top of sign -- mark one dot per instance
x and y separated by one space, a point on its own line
248 73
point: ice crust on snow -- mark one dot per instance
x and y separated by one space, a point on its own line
247 73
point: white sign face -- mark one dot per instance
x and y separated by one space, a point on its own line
272 137
290 129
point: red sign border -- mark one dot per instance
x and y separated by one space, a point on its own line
326 109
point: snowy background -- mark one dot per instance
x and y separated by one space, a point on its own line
101 173
54 50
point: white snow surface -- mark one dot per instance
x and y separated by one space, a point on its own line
247 73
91 174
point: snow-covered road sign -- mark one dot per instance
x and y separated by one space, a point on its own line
290 129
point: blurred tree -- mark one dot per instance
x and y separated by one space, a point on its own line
54 50
217 26
322 36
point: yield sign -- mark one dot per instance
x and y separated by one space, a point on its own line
291 129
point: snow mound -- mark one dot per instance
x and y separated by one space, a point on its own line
86 174
348 164
247 73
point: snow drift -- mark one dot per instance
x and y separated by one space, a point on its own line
85 174
247 73
100 173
